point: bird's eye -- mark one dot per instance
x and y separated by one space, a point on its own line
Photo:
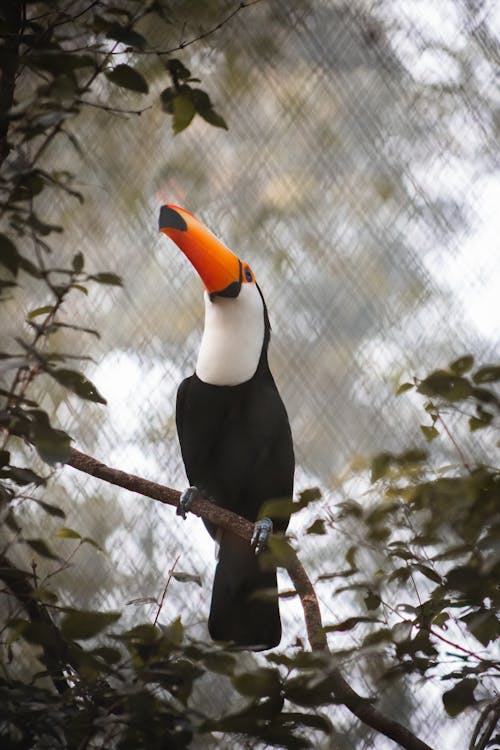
248 274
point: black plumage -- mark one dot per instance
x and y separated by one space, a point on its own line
237 449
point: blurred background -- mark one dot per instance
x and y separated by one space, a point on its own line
359 178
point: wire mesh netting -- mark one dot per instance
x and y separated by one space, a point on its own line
359 177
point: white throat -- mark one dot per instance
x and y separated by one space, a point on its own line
232 338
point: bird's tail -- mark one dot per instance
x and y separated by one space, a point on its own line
244 606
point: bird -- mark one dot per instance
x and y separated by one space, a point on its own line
234 433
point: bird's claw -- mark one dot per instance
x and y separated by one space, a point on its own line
262 530
186 500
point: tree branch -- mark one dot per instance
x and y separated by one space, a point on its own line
342 691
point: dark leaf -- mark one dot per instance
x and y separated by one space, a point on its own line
80 624
348 624
372 600
187 578
177 70
112 279
460 696
52 510
450 387
487 374
380 465
126 36
462 365
22 476
430 432
9 257
41 548
318 527
77 383
78 262
484 625
128 78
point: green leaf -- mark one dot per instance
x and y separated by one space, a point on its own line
404 387
450 387
317 527
480 422
65 533
487 374
112 279
462 365
380 465
40 311
183 113
77 262
80 625
430 432
173 632
128 78
53 445
77 383
262 682
460 696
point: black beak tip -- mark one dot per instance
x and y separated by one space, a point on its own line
171 219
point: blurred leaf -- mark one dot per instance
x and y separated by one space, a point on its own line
484 625
259 683
52 510
349 624
187 578
317 527
53 445
204 107
126 36
112 279
22 476
450 387
177 70
404 387
9 256
128 78
480 422
77 262
372 600
77 383
487 374
462 365
430 432
183 113
460 696
40 311
66 533
81 624
173 632
380 465
41 547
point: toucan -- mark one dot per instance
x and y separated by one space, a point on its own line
234 433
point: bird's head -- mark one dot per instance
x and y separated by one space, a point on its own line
237 328
222 272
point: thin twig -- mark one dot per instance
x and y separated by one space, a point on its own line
170 574
455 444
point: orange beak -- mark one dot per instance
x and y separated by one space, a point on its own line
219 268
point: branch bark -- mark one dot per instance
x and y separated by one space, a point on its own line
361 707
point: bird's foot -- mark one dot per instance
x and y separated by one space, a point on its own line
262 530
186 500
